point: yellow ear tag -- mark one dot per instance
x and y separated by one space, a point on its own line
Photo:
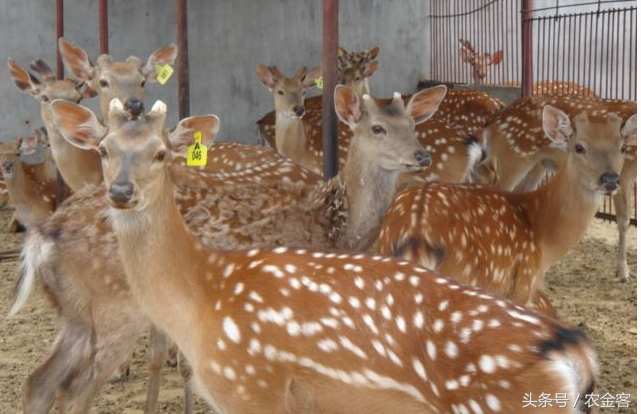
319 83
164 73
197 152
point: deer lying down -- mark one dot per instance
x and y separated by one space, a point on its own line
283 331
505 242
223 211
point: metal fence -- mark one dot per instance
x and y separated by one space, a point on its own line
522 43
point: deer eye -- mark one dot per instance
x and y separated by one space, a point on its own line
304 92
160 156
377 129
624 148
103 152
579 149
44 98
143 83
280 92
104 83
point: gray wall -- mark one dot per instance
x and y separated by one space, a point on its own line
227 38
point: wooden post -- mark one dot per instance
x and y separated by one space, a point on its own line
104 27
60 72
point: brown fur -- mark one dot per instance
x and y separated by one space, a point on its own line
210 302
505 242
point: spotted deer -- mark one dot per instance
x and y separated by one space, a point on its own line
284 331
32 194
505 242
225 211
108 79
74 163
519 155
455 151
479 62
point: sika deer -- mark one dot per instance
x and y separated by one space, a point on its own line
292 131
77 167
301 140
124 80
327 333
506 242
518 154
224 211
33 199
480 62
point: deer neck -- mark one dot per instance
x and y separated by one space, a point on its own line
78 167
168 291
291 139
560 213
370 190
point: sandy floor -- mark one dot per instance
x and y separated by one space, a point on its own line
582 286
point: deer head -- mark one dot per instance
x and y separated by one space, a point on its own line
480 62
47 88
288 93
355 67
596 150
132 179
385 134
125 81
9 157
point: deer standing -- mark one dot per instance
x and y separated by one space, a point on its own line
328 332
518 154
33 197
454 151
219 209
481 62
506 242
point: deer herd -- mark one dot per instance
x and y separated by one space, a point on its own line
411 282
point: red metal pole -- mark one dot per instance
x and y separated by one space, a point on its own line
330 78
526 36
104 27
60 72
183 58
60 31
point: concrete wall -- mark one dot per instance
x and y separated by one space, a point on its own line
227 38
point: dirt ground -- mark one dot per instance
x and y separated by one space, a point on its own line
583 287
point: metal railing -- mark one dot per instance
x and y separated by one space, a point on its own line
591 43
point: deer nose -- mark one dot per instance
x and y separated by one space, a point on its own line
6 166
423 157
299 111
121 192
134 106
610 180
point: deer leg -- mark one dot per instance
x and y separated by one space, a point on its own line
186 373
157 356
622 208
69 352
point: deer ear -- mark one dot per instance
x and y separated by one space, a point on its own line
629 131
76 61
163 56
301 72
370 68
77 124
347 105
310 78
25 81
425 103
28 145
497 57
41 67
183 134
466 55
373 53
556 125
266 76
